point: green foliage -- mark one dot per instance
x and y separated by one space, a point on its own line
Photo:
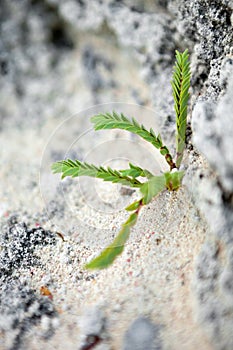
148 184
180 86
110 253
135 171
173 180
120 121
152 188
75 168
134 205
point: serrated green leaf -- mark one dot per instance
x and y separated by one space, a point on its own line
70 172
58 167
135 171
131 172
180 86
120 121
75 168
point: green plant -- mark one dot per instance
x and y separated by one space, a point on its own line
152 185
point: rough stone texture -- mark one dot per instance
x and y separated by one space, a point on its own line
21 309
209 27
93 328
58 25
44 53
18 244
213 286
212 126
142 334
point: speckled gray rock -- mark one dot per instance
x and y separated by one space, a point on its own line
141 335
92 322
37 43
207 29
93 329
213 287
212 187
213 129
207 24
152 38
213 126
21 310
148 33
18 244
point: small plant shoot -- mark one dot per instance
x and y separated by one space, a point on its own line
152 184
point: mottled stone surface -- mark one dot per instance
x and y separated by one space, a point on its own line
210 28
142 334
60 57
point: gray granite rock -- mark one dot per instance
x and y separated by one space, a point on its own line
213 129
93 322
207 31
93 329
141 335
18 244
210 30
21 310
212 125
36 46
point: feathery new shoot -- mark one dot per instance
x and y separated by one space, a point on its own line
180 86
129 177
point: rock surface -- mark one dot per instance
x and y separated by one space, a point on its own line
56 59
142 334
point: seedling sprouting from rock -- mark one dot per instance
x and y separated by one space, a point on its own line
152 185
